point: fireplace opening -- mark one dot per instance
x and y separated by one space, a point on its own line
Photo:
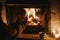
32 17
34 20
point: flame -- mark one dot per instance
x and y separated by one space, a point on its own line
32 18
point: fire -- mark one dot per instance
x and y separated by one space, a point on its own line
32 18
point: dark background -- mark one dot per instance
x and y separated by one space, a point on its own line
55 4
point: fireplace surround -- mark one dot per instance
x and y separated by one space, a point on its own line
33 16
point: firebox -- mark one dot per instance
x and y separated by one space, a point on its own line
32 16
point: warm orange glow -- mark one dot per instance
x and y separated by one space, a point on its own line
3 15
55 24
56 33
32 17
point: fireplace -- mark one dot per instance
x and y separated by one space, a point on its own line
33 17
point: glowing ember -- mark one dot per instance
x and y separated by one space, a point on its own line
32 18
